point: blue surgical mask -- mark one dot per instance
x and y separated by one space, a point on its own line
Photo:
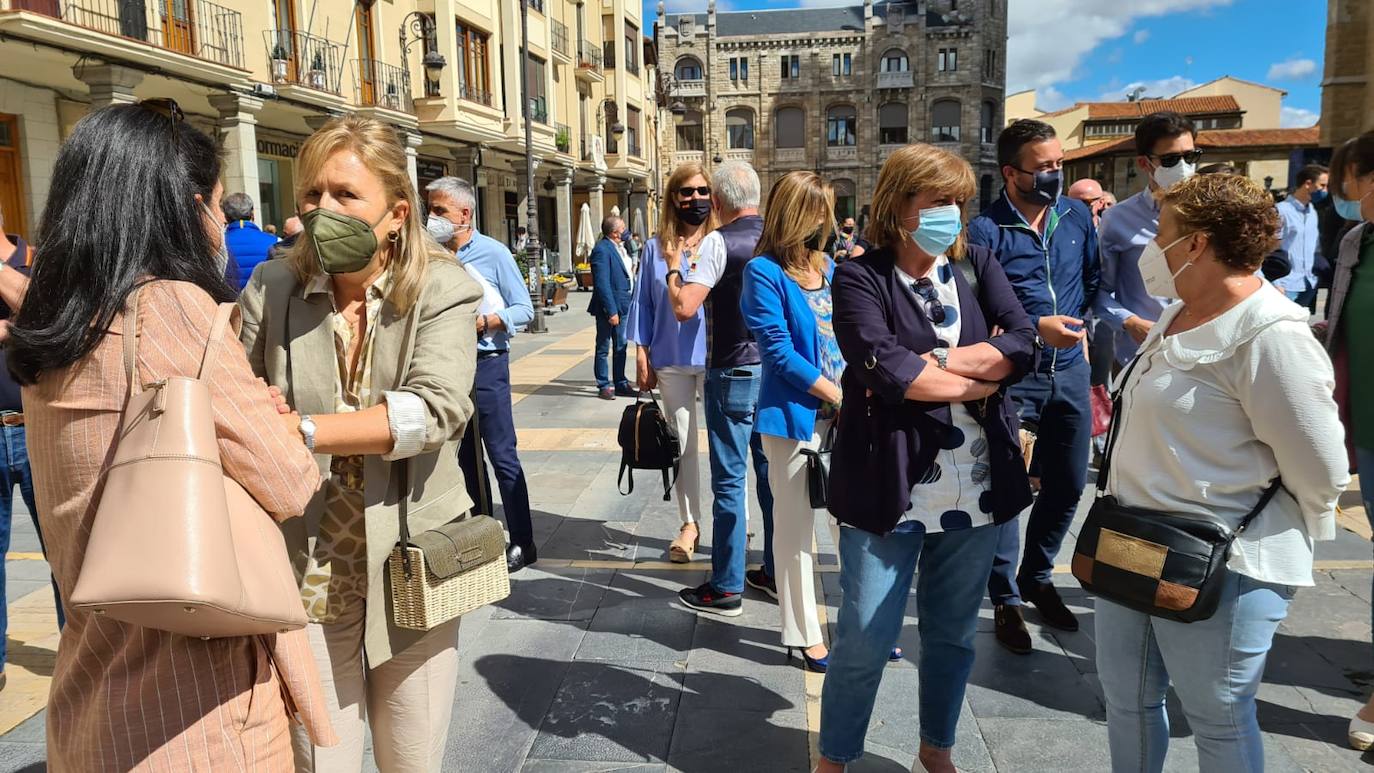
939 228
1318 196
1350 210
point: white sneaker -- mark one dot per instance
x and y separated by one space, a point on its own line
1361 734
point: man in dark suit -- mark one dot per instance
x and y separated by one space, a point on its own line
610 305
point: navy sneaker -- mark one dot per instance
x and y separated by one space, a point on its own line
760 580
705 598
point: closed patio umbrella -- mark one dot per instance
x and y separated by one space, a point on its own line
586 237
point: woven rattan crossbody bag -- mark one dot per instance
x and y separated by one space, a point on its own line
1168 565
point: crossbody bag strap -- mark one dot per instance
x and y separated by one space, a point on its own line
970 273
1115 427
221 322
131 342
1265 499
403 509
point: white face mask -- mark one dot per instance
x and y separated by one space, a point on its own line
1168 176
1154 269
441 228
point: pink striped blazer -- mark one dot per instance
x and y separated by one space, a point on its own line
131 698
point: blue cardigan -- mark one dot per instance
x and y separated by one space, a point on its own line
652 322
776 311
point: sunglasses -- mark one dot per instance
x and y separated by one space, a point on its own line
165 106
925 289
686 191
1169 160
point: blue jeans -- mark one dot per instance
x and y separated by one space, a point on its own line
1304 298
491 387
1060 407
14 471
610 342
730 396
875 576
1215 666
1364 465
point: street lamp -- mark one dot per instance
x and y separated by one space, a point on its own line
533 248
421 27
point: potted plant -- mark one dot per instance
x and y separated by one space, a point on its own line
392 99
563 140
315 77
280 63
584 276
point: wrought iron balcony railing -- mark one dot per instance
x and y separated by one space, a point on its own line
302 59
197 28
589 55
474 94
378 84
558 31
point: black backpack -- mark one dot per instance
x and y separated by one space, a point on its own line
647 442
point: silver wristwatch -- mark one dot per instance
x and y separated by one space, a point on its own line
307 430
941 355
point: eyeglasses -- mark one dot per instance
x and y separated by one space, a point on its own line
168 107
1169 160
686 191
925 290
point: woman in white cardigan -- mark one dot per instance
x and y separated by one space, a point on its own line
1230 391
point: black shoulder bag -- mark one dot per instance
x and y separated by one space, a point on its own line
1164 564
648 441
818 468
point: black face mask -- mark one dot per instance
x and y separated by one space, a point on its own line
1046 188
813 243
694 211
847 230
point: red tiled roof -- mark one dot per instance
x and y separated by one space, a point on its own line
1187 106
1215 138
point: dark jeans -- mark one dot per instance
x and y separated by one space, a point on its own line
492 388
14 471
1060 407
610 341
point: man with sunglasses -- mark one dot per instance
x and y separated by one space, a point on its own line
1047 245
1167 154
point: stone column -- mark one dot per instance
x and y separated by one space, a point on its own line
466 163
596 194
412 140
110 84
567 219
239 137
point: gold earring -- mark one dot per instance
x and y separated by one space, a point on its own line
394 237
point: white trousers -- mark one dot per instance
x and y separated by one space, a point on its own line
794 537
681 389
406 701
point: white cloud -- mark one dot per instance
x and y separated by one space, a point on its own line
1050 38
1159 88
1297 118
1140 36
1051 99
1291 69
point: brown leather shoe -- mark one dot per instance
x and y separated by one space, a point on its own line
1011 629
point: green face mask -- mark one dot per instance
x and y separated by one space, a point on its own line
343 244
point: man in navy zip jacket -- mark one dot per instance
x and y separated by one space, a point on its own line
1047 245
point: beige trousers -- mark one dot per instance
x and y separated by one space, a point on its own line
794 537
681 389
407 701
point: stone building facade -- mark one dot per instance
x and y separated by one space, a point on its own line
1347 95
834 90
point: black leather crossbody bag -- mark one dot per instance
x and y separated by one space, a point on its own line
1168 565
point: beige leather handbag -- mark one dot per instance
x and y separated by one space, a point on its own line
177 544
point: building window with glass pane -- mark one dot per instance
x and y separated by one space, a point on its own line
689 132
892 124
894 61
688 70
839 127
631 48
739 129
789 128
944 121
474 75
844 200
985 122
791 66
948 60
632 130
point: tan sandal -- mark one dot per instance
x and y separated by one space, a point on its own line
681 549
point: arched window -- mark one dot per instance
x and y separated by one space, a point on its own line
987 115
944 121
984 192
739 128
688 69
689 132
894 60
839 126
789 128
892 123
844 200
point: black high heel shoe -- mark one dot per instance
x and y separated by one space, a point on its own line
814 665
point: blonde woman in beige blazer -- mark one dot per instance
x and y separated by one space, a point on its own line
369 330
135 204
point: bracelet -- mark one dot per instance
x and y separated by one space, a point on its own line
668 277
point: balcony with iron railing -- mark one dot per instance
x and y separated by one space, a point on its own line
196 28
558 37
589 61
562 137
474 94
302 59
378 84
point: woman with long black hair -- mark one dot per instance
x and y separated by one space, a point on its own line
134 206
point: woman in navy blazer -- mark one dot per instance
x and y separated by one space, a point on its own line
787 305
926 458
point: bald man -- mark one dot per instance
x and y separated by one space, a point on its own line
1089 192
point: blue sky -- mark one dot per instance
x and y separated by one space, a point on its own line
1071 50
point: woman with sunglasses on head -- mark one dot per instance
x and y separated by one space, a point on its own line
671 353
367 324
133 212
927 459
1226 414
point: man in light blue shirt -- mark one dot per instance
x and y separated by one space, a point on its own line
1299 238
1164 143
505 309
